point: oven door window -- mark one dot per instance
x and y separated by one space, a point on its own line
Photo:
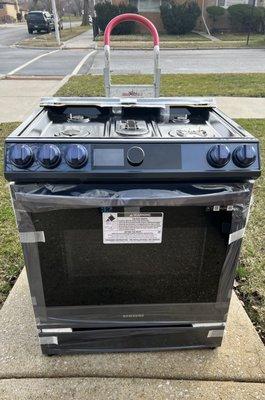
78 269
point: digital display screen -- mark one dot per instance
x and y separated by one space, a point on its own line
108 157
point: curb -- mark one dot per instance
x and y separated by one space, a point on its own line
55 48
96 47
33 77
184 48
80 48
36 48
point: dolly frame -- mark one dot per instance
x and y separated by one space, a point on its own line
131 90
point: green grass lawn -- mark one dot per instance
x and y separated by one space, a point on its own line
189 37
49 40
190 40
252 85
66 18
240 37
11 261
251 269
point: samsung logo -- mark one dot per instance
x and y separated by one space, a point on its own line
132 315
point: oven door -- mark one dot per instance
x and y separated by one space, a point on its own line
181 272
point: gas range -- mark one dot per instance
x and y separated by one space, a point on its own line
131 213
98 138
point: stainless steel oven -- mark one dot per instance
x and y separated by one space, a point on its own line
174 269
131 216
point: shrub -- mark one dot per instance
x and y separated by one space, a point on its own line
243 18
179 18
215 12
106 11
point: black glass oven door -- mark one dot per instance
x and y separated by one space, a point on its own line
79 270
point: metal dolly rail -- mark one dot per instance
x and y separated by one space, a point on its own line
131 90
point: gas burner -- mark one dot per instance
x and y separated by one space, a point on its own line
180 119
188 133
131 127
77 119
72 132
197 131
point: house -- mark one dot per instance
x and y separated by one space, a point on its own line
8 10
151 9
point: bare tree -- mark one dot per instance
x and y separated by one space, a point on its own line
85 19
78 5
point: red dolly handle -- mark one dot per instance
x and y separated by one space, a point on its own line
129 90
131 17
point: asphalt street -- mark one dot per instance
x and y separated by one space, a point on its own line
13 33
11 58
47 62
10 35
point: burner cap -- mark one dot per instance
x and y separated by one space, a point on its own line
77 118
131 127
72 132
188 132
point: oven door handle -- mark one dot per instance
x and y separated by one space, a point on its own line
30 201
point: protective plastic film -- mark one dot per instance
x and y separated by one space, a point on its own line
77 281
42 198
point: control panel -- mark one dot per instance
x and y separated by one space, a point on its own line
65 161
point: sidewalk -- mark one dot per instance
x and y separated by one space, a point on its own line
18 98
210 37
13 24
234 371
83 41
242 107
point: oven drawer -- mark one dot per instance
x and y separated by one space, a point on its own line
144 339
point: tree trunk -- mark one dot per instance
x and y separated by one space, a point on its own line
85 19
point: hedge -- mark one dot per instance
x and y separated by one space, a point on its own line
106 11
179 18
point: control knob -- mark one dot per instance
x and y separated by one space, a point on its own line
49 155
218 156
135 155
76 155
21 155
244 156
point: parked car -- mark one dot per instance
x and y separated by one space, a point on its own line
40 21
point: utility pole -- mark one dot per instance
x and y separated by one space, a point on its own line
250 20
56 22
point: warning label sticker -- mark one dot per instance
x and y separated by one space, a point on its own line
129 228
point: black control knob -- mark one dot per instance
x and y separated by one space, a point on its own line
135 155
218 156
49 155
244 156
76 155
21 155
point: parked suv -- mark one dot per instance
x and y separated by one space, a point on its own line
40 21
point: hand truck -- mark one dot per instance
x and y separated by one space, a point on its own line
131 90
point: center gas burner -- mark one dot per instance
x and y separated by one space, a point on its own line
77 119
131 128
